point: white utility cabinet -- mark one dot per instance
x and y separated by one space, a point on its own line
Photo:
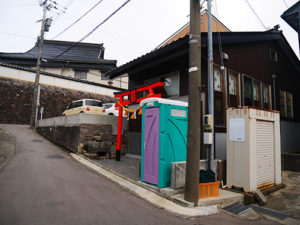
253 148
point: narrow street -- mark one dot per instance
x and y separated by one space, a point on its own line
42 184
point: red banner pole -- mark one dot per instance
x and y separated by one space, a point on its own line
119 134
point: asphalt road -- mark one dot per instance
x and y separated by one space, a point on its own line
43 185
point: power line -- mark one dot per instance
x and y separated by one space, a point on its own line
93 30
78 19
285 3
256 15
17 35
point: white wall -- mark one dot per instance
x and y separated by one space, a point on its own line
22 75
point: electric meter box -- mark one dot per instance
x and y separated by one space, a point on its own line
164 138
253 148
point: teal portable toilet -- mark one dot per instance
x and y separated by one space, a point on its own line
164 138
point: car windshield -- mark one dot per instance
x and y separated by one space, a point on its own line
106 106
93 103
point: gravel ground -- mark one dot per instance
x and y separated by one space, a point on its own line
7 147
287 200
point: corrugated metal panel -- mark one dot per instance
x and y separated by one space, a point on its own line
265 153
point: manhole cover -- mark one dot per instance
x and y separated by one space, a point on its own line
37 141
55 157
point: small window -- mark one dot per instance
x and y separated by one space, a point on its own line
233 89
75 105
289 105
273 55
172 84
247 91
283 103
286 104
82 75
220 97
217 79
266 96
93 103
257 93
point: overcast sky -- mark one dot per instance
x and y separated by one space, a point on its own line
137 28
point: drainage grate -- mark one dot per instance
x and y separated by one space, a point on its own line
36 140
55 157
270 212
236 208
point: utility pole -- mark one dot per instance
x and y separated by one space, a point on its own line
210 84
194 113
35 100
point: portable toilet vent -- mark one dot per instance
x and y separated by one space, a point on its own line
164 138
253 148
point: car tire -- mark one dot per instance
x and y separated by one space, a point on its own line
81 112
63 114
111 114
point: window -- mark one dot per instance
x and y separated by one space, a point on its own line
273 55
172 84
267 96
217 79
247 91
75 105
219 96
93 103
233 89
283 103
82 75
257 93
286 104
289 105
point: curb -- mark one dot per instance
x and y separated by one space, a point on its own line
147 195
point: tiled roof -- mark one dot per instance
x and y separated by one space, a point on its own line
226 38
81 52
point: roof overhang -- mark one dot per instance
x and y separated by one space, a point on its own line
181 46
292 16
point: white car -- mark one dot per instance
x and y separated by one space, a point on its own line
112 109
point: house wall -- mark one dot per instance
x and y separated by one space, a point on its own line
93 75
216 27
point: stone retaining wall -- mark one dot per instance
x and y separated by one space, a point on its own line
15 100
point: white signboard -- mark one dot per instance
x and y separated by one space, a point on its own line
237 129
178 112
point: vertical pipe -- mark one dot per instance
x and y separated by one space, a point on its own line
119 134
210 82
194 112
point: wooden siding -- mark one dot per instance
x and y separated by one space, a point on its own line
216 27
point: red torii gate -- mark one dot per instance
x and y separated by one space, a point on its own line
132 99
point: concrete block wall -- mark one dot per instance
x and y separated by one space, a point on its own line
178 172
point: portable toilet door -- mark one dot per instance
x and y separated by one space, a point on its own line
164 135
151 145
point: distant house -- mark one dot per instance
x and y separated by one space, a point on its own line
84 61
262 71
217 26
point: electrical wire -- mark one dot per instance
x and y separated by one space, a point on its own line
93 30
256 15
285 3
78 19
17 35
